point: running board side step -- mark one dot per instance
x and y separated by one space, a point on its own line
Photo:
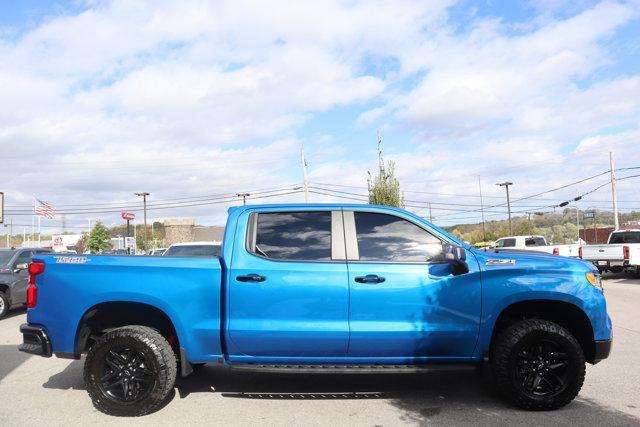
353 369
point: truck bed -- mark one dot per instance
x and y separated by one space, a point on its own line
187 289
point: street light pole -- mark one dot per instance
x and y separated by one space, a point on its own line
244 197
144 235
506 184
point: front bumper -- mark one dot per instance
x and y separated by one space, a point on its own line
35 341
602 350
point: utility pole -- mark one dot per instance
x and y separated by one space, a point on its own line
244 197
506 184
144 235
430 215
303 163
484 231
614 194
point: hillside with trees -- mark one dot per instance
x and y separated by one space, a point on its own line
556 227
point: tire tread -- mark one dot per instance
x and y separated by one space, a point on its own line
500 354
165 377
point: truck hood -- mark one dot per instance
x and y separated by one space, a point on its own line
531 260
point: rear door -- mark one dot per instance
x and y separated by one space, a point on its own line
288 286
404 302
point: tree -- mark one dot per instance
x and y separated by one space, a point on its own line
384 189
81 246
99 238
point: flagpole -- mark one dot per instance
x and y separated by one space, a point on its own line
38 230
32 237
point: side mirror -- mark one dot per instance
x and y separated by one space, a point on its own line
456 256
20 267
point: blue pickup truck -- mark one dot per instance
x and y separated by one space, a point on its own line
320 288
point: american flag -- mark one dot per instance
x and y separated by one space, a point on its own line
44 209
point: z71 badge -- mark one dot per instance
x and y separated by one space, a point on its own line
71 260
501 262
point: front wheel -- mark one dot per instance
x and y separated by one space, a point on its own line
130 371
4 305
538 365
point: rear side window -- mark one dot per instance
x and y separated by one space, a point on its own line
295 236
389 238
506 243
193 251
626 237
534 241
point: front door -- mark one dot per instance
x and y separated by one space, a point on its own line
288 286
404 302
21 278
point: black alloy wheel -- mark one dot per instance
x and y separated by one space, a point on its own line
537 364
126 376
541 368
130 371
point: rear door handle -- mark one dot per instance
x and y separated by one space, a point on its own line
251 278
369 278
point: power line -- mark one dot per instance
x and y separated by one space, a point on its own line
134 207
173 206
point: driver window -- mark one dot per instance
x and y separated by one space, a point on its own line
383 237
23 258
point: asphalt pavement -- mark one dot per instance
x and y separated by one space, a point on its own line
38 391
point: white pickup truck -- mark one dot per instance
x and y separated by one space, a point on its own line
622 252
536 244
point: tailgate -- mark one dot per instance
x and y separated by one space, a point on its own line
602 252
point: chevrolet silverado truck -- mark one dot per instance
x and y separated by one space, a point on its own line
535 244
622 252
320 288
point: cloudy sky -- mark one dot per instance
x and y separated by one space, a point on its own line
195 100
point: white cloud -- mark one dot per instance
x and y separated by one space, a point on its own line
187 98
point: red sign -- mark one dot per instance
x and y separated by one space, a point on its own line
128 215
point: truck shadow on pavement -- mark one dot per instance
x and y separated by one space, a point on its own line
451 397
11 359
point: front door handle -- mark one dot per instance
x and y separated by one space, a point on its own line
369 278
251 278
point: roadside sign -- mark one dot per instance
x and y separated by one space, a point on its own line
129 243
589 214
128 216
1 207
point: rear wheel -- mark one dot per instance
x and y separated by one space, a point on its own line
538 365
4 305
130 371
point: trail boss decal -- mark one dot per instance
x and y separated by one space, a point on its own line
71 260
501 262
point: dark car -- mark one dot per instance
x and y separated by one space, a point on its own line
14 276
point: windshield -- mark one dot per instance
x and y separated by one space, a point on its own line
193 250
5 256
625 237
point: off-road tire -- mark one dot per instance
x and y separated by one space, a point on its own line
5 304
157 353
503 362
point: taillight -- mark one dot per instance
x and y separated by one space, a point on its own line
35 268
580 252
625 252
556 251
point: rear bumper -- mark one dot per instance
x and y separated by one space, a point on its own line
602 350
35 341
608 264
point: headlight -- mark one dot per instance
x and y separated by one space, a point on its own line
594 279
